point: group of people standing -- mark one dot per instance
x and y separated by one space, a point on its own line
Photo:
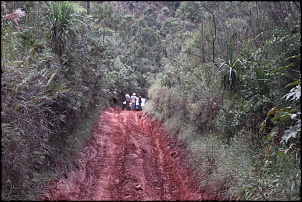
130 102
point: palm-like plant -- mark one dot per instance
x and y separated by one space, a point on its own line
62 19
230 76
262 81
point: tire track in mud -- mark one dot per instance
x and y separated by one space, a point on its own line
129 157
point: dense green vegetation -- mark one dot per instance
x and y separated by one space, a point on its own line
223 76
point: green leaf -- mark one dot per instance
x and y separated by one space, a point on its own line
289 133
294 94
51 78
294 83
56 89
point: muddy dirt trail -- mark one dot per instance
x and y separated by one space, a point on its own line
129 157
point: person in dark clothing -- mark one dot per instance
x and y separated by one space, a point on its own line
115 98
139 103
124 105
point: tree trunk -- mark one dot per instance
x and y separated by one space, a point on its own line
88 7
214 37
38 20
202 42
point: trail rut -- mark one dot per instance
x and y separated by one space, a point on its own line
129 157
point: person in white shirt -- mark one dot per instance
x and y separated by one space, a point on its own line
133 101
127 97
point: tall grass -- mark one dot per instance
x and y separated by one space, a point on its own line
222 168
237 171
235 168
77 140
275 177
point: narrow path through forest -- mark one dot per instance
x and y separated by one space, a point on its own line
129 157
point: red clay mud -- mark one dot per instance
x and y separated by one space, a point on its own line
129 157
